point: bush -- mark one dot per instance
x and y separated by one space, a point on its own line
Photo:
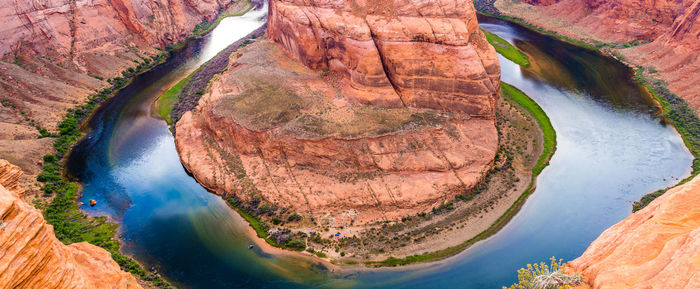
543 276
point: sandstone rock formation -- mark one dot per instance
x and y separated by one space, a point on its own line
669 30
657 247
427 54
32 257
54 54
391 113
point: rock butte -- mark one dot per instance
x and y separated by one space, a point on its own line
32 257
671 28
391 112
657 247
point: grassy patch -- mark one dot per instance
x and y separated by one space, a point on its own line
533 108
507 50
165 104
682 116
550 136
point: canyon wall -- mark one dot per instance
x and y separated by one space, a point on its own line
352 112
663 35
54 54
657 247
32 257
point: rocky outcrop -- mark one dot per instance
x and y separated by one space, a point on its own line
426 54
391 112
32 257
9 175
667 30
54 54
657 247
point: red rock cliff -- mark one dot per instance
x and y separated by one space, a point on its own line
32 257
657 247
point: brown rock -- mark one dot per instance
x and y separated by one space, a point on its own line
32 257
657 247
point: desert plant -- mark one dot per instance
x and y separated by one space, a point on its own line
543 276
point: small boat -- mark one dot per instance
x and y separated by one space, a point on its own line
250 246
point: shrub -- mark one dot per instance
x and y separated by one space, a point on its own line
543 276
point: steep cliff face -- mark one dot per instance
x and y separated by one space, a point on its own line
390 113
54 54
427 54
669 30
83 29
657 247
32 257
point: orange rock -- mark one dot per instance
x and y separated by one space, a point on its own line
9 175
32 257
657 247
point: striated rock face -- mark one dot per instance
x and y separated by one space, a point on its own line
669 28
9 175
32 257
427 54
390 113
657 247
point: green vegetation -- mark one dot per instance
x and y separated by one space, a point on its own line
543 276
507 92
507 50
164 104
682 116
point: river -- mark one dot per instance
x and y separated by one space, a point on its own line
613 147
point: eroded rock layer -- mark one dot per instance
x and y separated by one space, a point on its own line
353 113
668 31
32 257
657 247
